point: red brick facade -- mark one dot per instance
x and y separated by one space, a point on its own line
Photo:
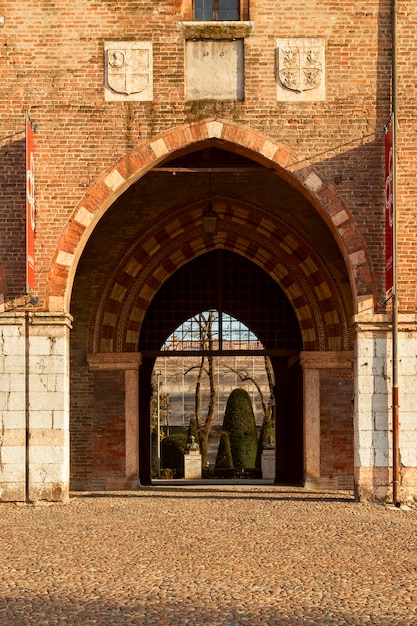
111 228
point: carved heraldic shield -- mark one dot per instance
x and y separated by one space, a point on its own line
128 70
300 69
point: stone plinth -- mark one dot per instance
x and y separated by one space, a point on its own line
192 465
268 464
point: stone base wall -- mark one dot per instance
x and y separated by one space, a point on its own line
34 430
373 408
13 414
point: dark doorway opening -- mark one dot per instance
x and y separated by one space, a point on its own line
234 286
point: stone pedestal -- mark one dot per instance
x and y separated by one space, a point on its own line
268 464
192 465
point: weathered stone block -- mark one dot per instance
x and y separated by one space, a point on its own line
214 70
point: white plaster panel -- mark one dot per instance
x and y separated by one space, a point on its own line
14 365
15 401
10 331
365 438
13 455
407 346
84 216
408 438
45 346
12 419
382 420
60 420
45 473
364 411
409 456
357 258
380 440
407 366
268 149
48 382
46 455
365 384
382 457
313 182
14 345
39 382
53 364
408 392
382 347
364 457
41 419
214 70
44 401
12 472
381 385
159 147
16 382
380 402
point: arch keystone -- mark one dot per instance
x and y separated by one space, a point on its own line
214 129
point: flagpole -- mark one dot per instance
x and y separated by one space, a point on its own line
395 390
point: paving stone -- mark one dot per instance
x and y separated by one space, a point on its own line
225 556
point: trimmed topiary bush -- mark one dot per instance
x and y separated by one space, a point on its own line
224 458
239 422
172 453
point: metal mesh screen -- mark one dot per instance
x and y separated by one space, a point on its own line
244 308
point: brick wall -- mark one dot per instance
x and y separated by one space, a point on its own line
52 65
336 425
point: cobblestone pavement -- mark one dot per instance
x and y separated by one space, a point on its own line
167 556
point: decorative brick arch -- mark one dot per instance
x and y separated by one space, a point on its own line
177 237
235 137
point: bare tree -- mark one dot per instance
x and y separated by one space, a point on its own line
205 368
267 403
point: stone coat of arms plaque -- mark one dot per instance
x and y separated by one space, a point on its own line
300 69
128 71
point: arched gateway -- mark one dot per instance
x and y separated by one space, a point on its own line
140 224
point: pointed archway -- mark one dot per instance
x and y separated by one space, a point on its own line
155 230
227 135
235 287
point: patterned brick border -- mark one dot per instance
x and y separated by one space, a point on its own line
177 237
244 140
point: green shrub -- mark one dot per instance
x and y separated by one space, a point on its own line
239 422
224 458
172 452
